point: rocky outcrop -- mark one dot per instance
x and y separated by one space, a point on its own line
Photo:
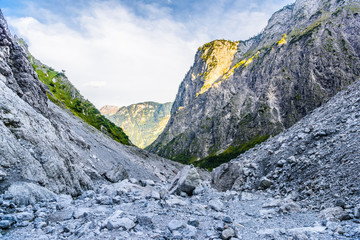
315 160
18 72
142 122
240 93
185 181
44 144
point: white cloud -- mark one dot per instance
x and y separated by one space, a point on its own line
115 57
96 84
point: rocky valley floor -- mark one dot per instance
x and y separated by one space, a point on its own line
134 209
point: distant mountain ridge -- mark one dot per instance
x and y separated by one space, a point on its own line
238 94
142 122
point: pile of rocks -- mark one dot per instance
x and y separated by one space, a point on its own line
144 209
316 160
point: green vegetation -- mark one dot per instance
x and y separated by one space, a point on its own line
232 152
142 122
64 94
307 32
184 158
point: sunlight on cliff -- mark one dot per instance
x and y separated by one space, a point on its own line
218 56
282 41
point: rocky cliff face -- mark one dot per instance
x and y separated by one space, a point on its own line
142 122
238 94
47 145
317 159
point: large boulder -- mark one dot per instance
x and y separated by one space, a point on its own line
25 193
116 174
185 181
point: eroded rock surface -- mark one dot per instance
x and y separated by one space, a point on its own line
306 54
317 159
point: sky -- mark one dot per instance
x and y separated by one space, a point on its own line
121 52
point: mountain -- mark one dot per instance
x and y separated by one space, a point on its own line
54 146
317 159
142 122
62 178
238 94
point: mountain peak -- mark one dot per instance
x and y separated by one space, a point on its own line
238 94
142 122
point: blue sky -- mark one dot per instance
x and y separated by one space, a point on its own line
120 52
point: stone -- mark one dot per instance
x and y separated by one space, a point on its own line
25 216
267 213
340 203
176 202
23 224
198 190
175 225
81 212
248 196
227 219
185 181
227 233
150 192
265 182
333 214
63 201
145 221
116 174
104 200
25 193
123 223
291 159
63 215
281 163
272 203
4 224
40 225
3 175
193 222
300 236
290 206
219 226
357 212
345 216
87 194
7 196
149 182
216 205
190 232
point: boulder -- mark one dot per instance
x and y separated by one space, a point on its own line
124 223
3 175
175 225
228 233
116 174
25 193
265 182
185 181
216 204
333 214
289 206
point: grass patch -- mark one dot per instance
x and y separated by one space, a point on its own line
232 152
64 94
